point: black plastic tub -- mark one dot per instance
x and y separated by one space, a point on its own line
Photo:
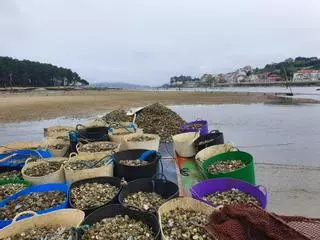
163 187
111 180
130 173
92 133
117 209
215 137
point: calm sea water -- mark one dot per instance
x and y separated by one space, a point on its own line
299 92
286 134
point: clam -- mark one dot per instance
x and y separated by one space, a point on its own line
134 163
233 196
225 166
94 147
82 164
181 224
119 227
10 175
45 233
36 201
144 200
118 115
9 189
90 195
42 169
160 120
194 126
141 138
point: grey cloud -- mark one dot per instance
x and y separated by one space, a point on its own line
147 42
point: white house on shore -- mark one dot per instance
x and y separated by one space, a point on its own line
306 75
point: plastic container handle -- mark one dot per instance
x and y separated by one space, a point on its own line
78 145
214 131
23 213
161 175
263 189
146 154
8 157
80 125
73 154
27 161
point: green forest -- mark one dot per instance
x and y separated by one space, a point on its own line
25 73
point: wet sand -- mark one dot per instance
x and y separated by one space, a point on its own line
45 104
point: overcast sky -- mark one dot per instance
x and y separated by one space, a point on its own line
148 41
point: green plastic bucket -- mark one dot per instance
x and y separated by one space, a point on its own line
246 173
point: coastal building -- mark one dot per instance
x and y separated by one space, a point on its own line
274 77
306 75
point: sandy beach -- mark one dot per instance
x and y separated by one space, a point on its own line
38 105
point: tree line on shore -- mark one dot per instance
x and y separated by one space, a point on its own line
25 73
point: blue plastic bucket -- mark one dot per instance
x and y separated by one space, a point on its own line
17 158
38 188
204 188
186 127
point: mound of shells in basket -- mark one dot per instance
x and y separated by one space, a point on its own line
32 202
9 189
180 224
10 175
57 146
233 196
90 195
141 138
83 164
45 233
94 147
225 166
118 227
144 200
43 168
194 126
134 163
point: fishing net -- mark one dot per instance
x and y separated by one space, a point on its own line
309 227
243 222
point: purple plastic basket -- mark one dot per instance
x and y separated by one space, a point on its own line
210 186
203 130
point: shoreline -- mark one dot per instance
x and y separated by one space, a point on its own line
40 105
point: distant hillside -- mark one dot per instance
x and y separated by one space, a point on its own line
290 66
121 85
25 73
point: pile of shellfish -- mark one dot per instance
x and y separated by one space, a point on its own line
90 195
118 227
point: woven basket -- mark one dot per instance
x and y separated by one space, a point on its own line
50 143
81 151
55 177
119 138
148 145
212 151
184 203
61 218
75 175
184 143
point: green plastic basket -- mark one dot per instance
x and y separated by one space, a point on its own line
246 173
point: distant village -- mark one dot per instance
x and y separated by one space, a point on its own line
248 75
